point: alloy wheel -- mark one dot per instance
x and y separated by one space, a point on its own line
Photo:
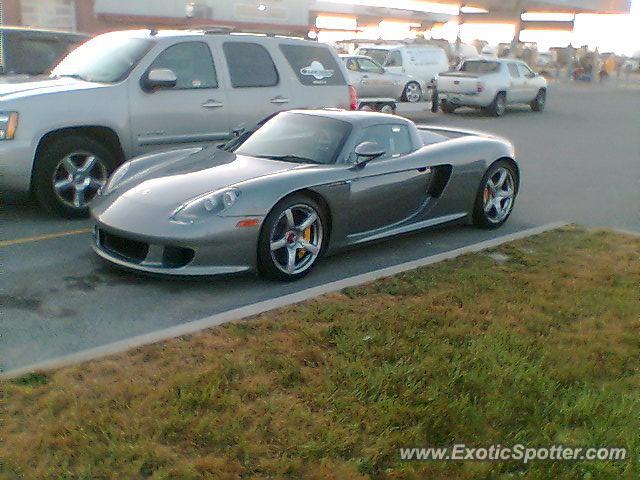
296 239
498 195
78 178
413 92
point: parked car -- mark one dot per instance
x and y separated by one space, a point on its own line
25 52
371 80
127 93
422 62
304 184
492 85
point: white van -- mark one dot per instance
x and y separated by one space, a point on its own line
422 62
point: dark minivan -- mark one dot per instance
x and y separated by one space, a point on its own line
28 52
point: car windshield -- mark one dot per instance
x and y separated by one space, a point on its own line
479 66
378 55
299 138
105 59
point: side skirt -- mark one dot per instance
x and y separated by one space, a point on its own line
408 228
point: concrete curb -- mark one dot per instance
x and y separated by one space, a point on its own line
271 304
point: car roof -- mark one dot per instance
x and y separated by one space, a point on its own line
355 117
201 32
355 56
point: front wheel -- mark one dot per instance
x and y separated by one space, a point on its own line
69 172
293 237
496 195
538 104
412 92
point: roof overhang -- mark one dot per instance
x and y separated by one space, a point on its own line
571 6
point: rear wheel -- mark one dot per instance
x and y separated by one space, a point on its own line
412 92
496 195
538 104
499 105
69 172
292 239
447 107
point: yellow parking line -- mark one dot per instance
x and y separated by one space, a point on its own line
39 238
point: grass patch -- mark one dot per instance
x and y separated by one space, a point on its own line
542 347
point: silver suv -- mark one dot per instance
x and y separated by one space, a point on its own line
123 94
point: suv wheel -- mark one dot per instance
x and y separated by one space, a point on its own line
412 92
69 172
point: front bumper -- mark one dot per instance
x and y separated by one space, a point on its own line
226 250
16 164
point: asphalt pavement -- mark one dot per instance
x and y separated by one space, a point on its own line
580 161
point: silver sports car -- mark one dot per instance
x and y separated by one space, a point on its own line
302 184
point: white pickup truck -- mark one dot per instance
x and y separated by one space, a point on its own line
491 84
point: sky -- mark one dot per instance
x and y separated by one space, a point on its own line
618 33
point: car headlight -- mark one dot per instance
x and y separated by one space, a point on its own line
206 205
116 179
8 125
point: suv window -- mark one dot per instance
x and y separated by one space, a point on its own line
250 65
379 55
313 65
367 65
524 70
513 70
191 62
395 139
394 59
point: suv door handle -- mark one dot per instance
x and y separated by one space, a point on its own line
278 100
212 104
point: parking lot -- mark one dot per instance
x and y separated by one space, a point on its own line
580 162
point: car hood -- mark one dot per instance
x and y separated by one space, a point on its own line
22 87
161 183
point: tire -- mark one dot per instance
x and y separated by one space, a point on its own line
65 162
412 92
541 99
499 105
502 201
447 107
280 255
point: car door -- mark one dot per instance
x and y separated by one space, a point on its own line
529 84
387 190
374 80
515 90
355 76
257 89
195 111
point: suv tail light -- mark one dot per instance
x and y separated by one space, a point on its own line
480 87
353 97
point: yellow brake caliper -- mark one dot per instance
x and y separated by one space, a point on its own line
307 237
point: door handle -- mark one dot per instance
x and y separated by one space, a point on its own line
212 104
279 100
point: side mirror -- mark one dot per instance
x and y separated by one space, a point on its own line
160 78
367 151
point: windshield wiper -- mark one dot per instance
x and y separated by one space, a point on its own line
289 158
